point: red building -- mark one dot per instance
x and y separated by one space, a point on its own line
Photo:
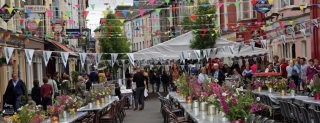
315 38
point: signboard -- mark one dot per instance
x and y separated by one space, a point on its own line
57 26
262 6
239 38
5 15
82 42
72 33
35 8
32 25
8 109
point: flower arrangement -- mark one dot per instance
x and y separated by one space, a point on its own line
183 85
108 90
270 81
66 100
55 109
281 84
314 84
292 85
88 97
258 83
194 87
103 92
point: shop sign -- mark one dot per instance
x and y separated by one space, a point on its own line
5 14
35 8
262 6
32 25
240 38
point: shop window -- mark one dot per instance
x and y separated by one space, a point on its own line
284 3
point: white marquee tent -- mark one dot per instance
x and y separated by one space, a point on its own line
173 48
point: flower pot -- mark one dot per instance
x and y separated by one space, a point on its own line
195 104
252 87
282 92
188 99
203 106
259 89
109 97
270 90
63 115
90 104
292 92
102 100
97 102
237 121
316 95
105 99
55 119
211 110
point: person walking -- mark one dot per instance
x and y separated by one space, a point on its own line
152 77
293 72
35 92
158 81
139 79
15 91
46 93
93 76
54 85
165 80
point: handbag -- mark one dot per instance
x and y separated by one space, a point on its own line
294 72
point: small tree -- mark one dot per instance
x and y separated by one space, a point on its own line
202 26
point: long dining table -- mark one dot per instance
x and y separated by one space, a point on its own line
68 118
195 114
97 107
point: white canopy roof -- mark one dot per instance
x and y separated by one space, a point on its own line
173 48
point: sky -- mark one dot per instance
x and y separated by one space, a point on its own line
95 15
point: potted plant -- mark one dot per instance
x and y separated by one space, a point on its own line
88 98
55 112
258 84
315 87
183 86
282 86
292 88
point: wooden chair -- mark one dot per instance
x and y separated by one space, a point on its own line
110 116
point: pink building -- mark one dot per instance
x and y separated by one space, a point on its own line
288 13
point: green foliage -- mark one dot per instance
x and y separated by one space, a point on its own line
239 111
182 84
114 43
202 22
75 75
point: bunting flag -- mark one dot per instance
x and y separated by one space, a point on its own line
260 38
183 55
215 51
303 32
315 22
131 58
83 57
240 46
189 56
293 35
246 60
281 32
254 58
303 25
113 58
197 52
97 58
109 62
283 38
223 49
8 53
230 63
123 61
262 57
252 44
271 38
29 55
206 53
264 43
151 67
311 29
182 67
64 57
231 50
46 56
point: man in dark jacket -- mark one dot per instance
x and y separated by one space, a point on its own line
165 78
93 76
218 74
140 81
87 82
15 91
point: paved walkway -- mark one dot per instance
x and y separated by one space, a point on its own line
150 114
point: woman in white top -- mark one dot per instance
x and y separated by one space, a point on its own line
293 72
203 75
270 69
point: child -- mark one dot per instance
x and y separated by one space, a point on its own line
117 90
35 93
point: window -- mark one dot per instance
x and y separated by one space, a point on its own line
293 51
242 10
280 51
140 46
284 3
143 46
303 48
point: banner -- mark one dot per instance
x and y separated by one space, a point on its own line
29 55
113 58
206 53
46 56
252 43
283 38
8 53
303 32
197 52
64 57
264 43
231 50
83 57
271 38
97 58
131 58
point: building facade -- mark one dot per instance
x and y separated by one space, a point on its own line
315 37
290 12
155 28
228 14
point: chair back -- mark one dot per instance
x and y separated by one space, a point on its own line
85 120
286 109
256 119
316 116
305 115
97 118
250 118
282 110
90 121
269 121
262 120
296 113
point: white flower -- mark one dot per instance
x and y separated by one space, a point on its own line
216 80
258 99
4 111
224 94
